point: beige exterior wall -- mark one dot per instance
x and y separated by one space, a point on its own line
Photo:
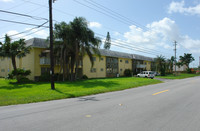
5 66
28 63
124 65
32 62
148 65
99 66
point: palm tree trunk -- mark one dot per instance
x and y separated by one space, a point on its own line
72 67
67 67
14 63
64 71
77 60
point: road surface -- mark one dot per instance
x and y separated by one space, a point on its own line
170 106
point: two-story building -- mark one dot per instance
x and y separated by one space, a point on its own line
109 64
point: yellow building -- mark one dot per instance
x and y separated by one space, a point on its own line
110 64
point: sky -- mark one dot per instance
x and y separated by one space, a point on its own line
145 27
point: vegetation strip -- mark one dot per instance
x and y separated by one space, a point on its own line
179 76
12 93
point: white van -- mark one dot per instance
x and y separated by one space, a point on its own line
146 74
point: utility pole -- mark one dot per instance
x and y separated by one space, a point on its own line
51 45
175 43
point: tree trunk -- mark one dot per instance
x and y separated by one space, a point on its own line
72 67
67 67
64 71
15 67
76 60
14 63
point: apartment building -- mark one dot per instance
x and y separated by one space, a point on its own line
109 64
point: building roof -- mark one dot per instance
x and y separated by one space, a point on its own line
110 53
43 43
37 42
140 57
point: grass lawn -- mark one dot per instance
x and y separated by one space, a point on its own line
179 76
12 93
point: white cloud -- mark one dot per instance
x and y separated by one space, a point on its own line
116 34
39 33
6 0
178 7
94 24
160 35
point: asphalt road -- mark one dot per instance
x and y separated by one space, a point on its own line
170 106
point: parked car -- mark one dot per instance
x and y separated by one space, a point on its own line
156 73
146 74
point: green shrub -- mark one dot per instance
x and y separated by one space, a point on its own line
20 75
189 70
127 72
84 77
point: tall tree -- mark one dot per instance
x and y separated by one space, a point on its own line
107 43
14 49
63 45
161 64
84 42
186 59
75 40
171 62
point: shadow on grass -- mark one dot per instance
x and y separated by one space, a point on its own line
91 83
15 85
82 83
66 94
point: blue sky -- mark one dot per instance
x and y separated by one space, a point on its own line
148 27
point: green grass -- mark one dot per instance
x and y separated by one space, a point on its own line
12 93
179 76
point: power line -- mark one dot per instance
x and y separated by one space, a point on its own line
126 23
101 7
26 30
17 22
25 15
128 44
48 7
31 33
129 48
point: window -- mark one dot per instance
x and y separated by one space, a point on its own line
120 60
126 61
2 70
145 63
101 69
94 58
101 58
93 70
121 70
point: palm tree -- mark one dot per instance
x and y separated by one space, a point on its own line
171 63
186 59
74 41
63 32
14 49
161 64
84 42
